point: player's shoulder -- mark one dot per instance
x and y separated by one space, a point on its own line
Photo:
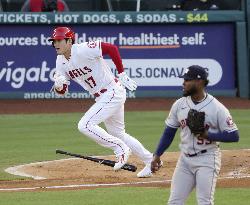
94 44
76 48
212 99
78 52
81 47
180 102
209 100
215 102
220 104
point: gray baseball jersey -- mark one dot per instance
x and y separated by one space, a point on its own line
200 160
217 119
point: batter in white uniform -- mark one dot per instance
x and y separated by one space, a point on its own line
84 64
200 159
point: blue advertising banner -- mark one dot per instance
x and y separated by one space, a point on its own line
153 55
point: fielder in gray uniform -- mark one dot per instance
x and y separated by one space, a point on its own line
200 159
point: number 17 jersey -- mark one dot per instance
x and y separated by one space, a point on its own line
86 66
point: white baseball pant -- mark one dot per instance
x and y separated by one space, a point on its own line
109 108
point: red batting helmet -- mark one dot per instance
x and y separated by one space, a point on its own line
61 33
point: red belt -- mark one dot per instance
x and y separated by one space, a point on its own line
103 90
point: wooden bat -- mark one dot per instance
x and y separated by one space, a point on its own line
111 163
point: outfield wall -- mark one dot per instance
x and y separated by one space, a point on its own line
156 47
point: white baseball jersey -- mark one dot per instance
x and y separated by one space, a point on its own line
217 119
86 66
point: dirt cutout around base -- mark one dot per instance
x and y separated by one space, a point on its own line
235 172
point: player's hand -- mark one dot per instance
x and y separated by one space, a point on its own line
156 164
60 81
127 82
203 135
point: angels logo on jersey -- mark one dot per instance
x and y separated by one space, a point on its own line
91 44
230 122
79 72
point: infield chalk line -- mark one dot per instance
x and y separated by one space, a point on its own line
97 185
81 185
14 170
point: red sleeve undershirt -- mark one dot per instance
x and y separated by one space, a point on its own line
112 51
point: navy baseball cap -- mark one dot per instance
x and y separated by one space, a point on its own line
195 72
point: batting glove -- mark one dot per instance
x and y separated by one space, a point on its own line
127 82
60 81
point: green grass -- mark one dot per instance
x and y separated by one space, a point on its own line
118 195
31 138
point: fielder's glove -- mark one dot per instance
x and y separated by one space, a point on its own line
195 121
127 82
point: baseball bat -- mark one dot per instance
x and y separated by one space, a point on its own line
111 163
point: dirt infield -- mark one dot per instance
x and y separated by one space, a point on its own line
84 174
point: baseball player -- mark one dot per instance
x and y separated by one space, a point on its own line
200 159
84 64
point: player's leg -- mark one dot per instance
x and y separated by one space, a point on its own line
116 127
183 182
98 113
206 178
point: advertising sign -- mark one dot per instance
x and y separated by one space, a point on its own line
153 55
